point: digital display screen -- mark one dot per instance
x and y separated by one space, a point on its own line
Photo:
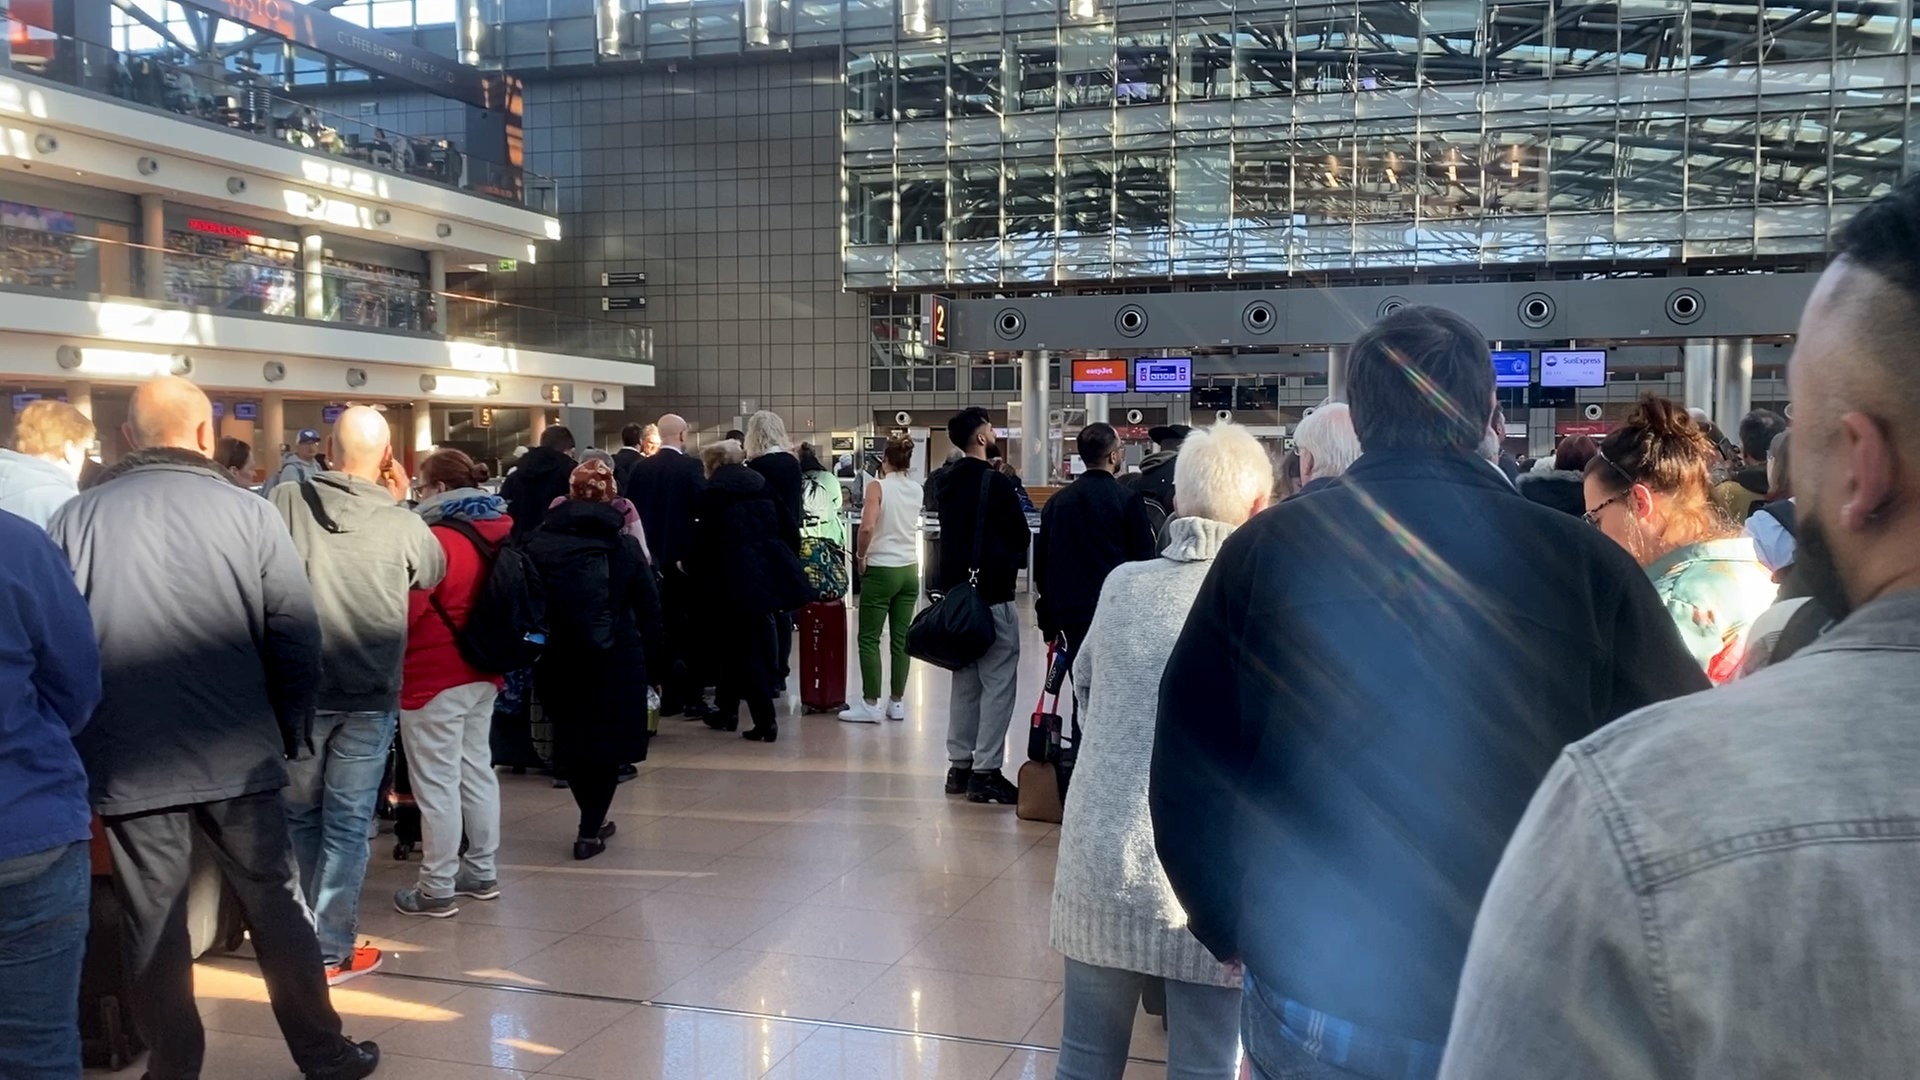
1099 376
1163 374
1513 367
1581 367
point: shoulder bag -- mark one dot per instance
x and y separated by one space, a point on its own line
957 630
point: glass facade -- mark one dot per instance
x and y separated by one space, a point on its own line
1209 138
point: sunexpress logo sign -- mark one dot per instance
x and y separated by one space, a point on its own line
1573 367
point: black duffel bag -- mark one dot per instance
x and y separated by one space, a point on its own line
957 630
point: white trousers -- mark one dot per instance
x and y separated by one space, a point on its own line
451 765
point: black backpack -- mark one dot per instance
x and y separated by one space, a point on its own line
507 625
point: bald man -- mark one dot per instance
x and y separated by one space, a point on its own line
363 552
664 488
210 657
1728 884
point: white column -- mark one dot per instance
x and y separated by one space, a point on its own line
437 272
313 277
1033 418
1099 408
1337 373
1733 381
153 238
80 396
1697 368
422 441
536 425
272 431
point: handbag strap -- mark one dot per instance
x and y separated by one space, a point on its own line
488 553
1041 704
980 527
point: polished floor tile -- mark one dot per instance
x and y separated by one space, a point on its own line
816 909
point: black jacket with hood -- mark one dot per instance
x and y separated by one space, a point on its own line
209 644
1561 489
743 559
605 643
542 476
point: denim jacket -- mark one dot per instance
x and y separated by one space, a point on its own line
1723 885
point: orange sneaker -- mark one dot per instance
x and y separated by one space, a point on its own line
364 961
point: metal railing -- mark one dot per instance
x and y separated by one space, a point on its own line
248 103
263 277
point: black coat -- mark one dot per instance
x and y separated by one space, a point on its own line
1089 527
604 634
743 560
1370 686
664 489
1006 541
624 459
541 477
1561 489
1155 479
786 485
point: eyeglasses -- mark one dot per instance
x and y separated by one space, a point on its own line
1592 517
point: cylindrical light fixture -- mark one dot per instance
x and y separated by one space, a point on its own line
916 17
607 16
757 16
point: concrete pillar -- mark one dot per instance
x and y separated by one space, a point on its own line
313 277
536 425
1099 408
580 421
437 271
153 237
273 430
1696 367
80 396
422 441
1337 373
1034 403
1733 381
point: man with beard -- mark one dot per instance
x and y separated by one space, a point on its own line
1727 884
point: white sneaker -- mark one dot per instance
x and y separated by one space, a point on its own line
863 713
897 710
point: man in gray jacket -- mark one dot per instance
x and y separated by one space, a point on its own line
363 553
1727 884
209 652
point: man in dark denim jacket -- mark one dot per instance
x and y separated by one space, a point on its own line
1728 884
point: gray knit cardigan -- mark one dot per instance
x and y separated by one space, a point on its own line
1112 904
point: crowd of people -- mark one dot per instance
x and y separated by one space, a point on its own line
1424 767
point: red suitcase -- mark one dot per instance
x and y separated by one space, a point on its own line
823 657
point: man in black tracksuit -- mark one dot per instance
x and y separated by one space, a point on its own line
1091 526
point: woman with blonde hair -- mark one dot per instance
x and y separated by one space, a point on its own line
1115 916
1649 488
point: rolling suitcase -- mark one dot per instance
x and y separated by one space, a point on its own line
823 656
107 1036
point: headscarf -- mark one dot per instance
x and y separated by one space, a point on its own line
592 481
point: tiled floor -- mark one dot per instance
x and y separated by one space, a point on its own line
817 908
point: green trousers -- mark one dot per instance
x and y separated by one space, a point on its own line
887 596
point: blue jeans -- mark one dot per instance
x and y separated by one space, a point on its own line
1203 1026
1286 1040
330 799
44 903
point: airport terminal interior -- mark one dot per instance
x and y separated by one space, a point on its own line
489 218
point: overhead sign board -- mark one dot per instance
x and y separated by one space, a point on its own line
622 303
937 312
331 413
623 277
1099 376
246 410
1163 374
1512 367
1573 367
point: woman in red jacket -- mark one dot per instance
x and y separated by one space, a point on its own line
446 705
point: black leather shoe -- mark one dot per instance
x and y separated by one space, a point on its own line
356 1060
762 734
587 849
991 787
957 778
720 721
627 772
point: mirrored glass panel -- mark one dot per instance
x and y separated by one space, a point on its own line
869 87
976 82
921 92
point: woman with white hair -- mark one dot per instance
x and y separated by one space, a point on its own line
1115 916
1327 446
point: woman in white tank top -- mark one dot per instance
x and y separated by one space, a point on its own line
886 555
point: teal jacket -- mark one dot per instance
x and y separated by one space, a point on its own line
1714 590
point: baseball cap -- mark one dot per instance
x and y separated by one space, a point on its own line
308 435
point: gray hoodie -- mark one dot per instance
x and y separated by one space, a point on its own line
361 565
33 488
